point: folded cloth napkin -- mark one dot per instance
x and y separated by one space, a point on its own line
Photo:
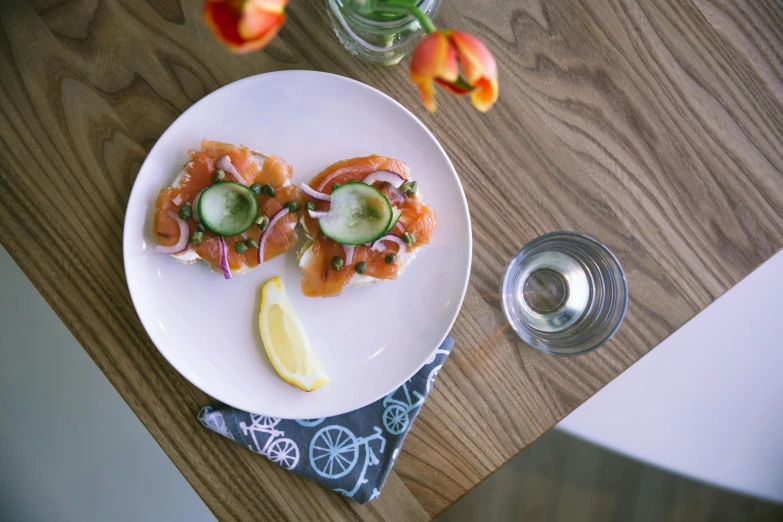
350 453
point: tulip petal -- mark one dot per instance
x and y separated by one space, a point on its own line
223 18
427 91
434 57
257 23
245 26
484 96
475 59
271 6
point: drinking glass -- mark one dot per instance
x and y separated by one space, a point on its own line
564 293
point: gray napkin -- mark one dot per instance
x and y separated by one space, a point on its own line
350 453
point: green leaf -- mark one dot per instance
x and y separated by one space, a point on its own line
463 84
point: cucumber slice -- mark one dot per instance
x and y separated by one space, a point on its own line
359 213
228 208
396 213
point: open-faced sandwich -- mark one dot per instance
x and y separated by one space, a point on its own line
365 220
230 206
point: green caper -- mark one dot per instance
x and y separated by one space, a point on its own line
361 267
268 190
218 176
252 243
338 263
414 186
310 205
391 258
196 238
409 238
241 247
405 188
255 188
185 211
293 206
336 186
262 222
200 227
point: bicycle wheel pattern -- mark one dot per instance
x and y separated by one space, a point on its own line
284 452
309 423
395 419
264 422
333 452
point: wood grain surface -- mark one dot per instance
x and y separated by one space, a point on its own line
654 126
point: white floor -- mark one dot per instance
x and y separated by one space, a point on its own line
706 403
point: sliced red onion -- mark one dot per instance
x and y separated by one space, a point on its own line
398 227
384 175
224 258
318 214
184 234
277 217
348 253
379 247
194 206
178 200
225 163
307 189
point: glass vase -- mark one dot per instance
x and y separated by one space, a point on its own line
379 37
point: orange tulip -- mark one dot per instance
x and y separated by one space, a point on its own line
438 59
245 25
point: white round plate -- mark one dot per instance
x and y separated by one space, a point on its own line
369 340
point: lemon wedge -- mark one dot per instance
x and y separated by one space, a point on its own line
285 340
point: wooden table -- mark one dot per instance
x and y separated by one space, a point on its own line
656 127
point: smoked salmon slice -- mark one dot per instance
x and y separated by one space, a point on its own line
197 174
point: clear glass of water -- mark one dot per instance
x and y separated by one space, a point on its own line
564 293
380 38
